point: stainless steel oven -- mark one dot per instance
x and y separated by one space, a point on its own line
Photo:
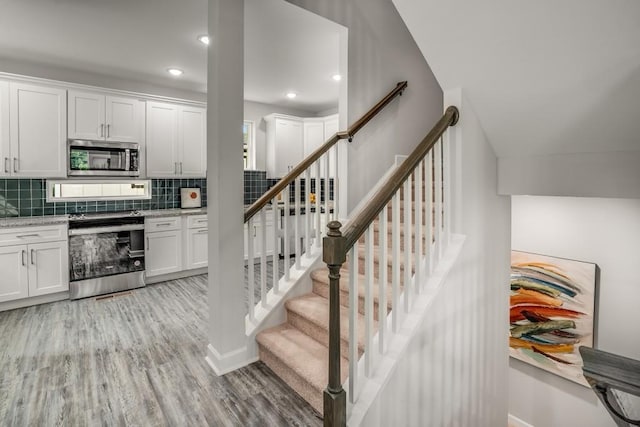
100 158
106 254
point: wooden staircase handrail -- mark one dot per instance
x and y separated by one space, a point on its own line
252 210
368 213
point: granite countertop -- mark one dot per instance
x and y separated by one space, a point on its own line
28 221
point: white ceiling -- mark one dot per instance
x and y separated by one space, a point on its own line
544 76
286 47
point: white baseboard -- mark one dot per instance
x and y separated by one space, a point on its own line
517 422
225 363
26 302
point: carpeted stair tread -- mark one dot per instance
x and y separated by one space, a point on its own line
300 358
313 310
321 277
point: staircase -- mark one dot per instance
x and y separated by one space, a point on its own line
297 350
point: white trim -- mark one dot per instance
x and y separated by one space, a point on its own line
177 275
517 422
106 91
230 361
27 302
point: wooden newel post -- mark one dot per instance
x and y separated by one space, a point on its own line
334 254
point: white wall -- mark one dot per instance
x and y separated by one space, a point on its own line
381 52
255 111
455 370
603 231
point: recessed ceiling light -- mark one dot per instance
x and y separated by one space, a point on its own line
291 95
204 39
175 71
336 77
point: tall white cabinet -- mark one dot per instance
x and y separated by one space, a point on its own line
291 139
38 131
5 144
102 117
285 146
176 141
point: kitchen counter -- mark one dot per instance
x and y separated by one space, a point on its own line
16 222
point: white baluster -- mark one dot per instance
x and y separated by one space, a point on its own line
447 186
418 227
368 301
382 281
307 212
276 245
318 214
428 188
336 194
327 210
407 243
263 257
438 192
250 266
395 236
353 322
296 217
286 236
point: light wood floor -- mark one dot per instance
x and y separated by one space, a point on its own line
132 360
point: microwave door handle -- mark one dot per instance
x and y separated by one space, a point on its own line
127 160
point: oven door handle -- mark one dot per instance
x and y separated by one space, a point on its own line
108 229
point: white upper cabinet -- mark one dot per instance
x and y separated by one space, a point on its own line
5 146
176 141
38 130
284 144
96 116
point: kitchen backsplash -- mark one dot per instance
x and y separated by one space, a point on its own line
26 197
256 183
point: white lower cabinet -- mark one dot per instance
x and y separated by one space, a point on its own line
196 236
163 252
256 233
40 266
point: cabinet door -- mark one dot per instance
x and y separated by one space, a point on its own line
313 136
15 274
162 140
86 116
38 126
122 119
48 268
5 146
288 145
163 254
197 248
192 125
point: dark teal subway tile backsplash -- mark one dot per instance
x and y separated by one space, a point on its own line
26 197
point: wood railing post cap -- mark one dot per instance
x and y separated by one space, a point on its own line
334 229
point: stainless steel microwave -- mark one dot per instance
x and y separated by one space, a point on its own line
100 158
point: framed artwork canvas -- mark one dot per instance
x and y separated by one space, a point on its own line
551 312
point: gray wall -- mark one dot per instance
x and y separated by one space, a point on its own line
255 111
381 52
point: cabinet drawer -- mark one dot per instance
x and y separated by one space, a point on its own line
163 224
197 221
38 234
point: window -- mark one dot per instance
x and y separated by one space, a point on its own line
248 145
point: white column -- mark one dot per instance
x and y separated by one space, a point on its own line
227 348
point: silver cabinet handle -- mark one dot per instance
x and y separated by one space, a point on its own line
175 168
33 258
163 224
24 263
108 131
15 165
180 168
101 130
148 247
6 167
204 230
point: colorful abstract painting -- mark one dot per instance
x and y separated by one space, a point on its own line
551 312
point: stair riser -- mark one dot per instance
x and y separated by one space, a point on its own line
296 382
322 289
